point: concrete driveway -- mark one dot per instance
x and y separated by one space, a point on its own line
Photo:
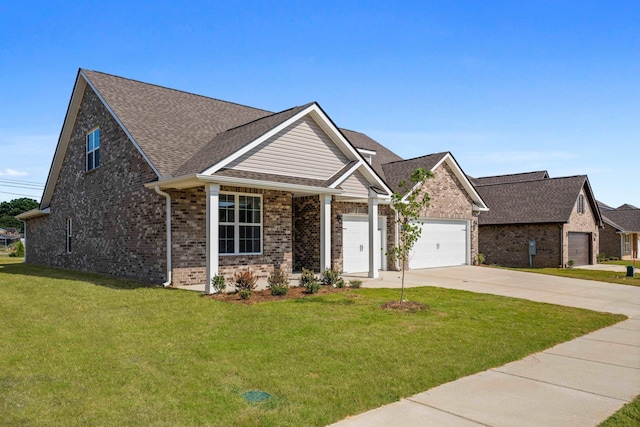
577 383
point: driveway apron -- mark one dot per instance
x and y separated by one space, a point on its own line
576 383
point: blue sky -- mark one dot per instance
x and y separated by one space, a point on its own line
506 86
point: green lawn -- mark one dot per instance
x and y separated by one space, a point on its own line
598 275
628 416
80 349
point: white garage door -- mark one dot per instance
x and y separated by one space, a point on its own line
442 244
355 243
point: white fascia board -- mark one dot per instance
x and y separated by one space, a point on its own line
366 152
33 213
122 126
201 179
346 175
63 140
213 169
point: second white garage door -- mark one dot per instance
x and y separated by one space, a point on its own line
442 244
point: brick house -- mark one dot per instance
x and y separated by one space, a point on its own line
620 236
560 216
171 187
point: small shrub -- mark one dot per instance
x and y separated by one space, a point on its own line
278 282
218 283
602 257
355 284
309 281
340 283
481 258
570 263
18 250
330 277
245 294
245 280
279 290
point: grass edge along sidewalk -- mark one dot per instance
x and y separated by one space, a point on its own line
85 349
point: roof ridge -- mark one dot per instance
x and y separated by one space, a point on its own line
265 117
512 174
525 181
178 90
419 157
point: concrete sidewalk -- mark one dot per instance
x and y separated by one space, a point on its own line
577 383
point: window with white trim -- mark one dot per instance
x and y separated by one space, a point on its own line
69 233
581 204
93 149
240 228
627 244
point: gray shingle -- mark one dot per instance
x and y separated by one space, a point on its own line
628 219
395 172
549 200
515 177
383 154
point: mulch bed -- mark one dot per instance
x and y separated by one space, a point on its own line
265 295
411 306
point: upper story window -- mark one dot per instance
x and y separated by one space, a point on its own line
93 149
581 204
240 229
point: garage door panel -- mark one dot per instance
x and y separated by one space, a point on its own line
441 244
579 248
355 243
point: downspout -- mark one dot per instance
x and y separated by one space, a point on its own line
168 201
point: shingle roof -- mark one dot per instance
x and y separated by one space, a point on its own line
627 219
515 177
183 133
402 170
549 200
383 154
170 126
626 206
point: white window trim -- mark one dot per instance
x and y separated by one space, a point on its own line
87 152
627 244
68 235
236 223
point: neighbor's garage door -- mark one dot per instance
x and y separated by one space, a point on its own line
579 248
442 244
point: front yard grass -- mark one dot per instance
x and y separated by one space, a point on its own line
578 273
628 416
81 349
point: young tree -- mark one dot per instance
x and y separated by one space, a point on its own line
408 203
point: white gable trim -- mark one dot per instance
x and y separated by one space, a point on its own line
316 113
462 178
346 175
82 81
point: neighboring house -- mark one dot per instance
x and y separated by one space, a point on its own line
620 236
8 236
166 186
558 217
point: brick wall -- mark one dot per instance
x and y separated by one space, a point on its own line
508 245
582 222
118 224
306 234
610 241
189 236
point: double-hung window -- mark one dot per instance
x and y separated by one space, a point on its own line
240 228
93 149
627 244
581 204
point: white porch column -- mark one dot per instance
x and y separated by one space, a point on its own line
325 232
212 196
374 237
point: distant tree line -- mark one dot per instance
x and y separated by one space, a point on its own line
8 211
